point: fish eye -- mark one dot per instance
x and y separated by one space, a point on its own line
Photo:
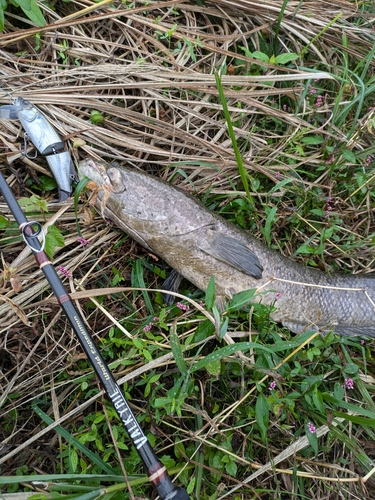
116 180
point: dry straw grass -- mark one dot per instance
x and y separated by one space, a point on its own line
161 108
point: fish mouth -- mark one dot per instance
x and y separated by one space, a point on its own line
94 171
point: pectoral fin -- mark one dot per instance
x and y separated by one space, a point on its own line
232 252
10 112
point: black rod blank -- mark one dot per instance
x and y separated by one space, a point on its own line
157 473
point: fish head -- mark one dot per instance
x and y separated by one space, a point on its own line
142 202
128 192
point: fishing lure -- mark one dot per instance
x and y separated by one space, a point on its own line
45 139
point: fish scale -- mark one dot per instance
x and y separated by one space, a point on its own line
198 244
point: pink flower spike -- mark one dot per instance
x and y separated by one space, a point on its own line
272 385
82 241
65 272
148 327
348 383
311 428
183 307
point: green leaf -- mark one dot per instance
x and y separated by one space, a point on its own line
240 300
34 204
4 222
214 368
318 211
54 239
349 155
33 12
17 3
2 17
231 469
261 55
318 400
339 391
73 459
312 139
47 182
247 52
177 351
285 58
223 328
305 249
312 439
262 415
210 293
351 368
227 351
266 230
96 117
138 281
204 330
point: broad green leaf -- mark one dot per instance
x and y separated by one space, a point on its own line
305 249
54 239
349 155
318 211
73 459
33 12
214 368
231 469
3 222
285 58
48 183
261 55
240 300
204 330
312 139
351 368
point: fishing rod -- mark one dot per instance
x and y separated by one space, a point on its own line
156 471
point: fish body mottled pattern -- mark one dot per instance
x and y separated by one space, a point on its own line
199 244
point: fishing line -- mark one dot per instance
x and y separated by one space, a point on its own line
156 471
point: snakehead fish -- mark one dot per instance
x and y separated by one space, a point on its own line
198 244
